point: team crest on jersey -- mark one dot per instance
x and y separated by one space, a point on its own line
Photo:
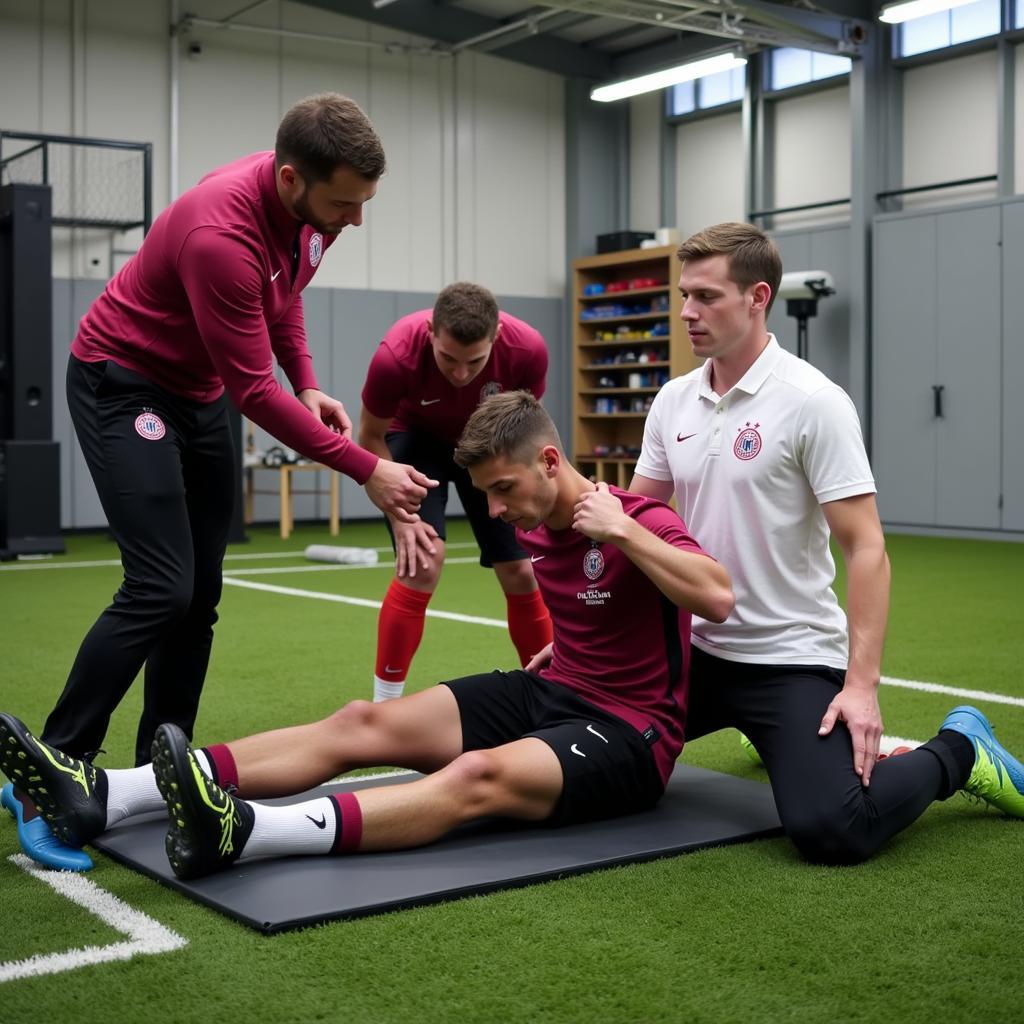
593 564
492 387
316 249
149 426
748 444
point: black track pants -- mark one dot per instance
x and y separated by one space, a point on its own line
823 807
164 470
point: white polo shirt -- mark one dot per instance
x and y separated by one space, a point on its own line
751 470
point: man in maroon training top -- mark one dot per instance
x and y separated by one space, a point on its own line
204 307
592 735
427 376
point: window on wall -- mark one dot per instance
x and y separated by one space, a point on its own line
790 66
947 28
709 91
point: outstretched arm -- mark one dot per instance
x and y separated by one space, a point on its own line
687 578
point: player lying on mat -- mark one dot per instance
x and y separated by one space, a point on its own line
594 734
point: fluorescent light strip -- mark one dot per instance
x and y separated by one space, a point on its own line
663 79
899 13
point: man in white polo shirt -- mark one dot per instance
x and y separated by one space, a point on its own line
765 456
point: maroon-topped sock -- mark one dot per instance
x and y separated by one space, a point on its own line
349 815
225 772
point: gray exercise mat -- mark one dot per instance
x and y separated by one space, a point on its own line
700 808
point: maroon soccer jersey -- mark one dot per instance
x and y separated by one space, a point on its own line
404 384
619 642
212 297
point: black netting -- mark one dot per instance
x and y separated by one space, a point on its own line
92 184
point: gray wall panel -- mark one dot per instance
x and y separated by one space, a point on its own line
828 333
905 325
359 319
1013 366
63 432
968 343
86 510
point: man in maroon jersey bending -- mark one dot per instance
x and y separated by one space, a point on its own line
199 314
593 734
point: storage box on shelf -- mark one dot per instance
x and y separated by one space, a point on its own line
628 340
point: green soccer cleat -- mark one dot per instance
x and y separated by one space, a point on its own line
207 828
997 776
750 750
71 795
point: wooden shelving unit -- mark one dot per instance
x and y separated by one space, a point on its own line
627 342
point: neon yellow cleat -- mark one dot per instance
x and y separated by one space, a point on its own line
997 776
750 750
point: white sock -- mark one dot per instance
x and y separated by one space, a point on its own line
203 761
292 829
384 690
134 790
131 791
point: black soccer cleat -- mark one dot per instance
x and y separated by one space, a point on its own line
71 794
207 828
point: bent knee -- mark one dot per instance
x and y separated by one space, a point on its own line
477 775
826 840
357 714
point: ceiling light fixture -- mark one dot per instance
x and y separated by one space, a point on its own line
663 79
896 14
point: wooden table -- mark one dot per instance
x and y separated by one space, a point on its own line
286 490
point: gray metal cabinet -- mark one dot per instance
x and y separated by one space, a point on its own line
1013 366
937 350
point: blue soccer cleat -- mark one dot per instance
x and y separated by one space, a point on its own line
997 776
39 842
69 793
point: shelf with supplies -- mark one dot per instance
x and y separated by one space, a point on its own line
628 341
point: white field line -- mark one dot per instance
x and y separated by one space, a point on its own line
145 936
359 602
954 691
33 564
331 567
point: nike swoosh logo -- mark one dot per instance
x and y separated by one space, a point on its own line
430 401
576 750
537 558
274 277
684 437
322 823
392 671
590 728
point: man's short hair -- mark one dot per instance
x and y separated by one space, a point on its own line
468 312
752 255
511 423
324 132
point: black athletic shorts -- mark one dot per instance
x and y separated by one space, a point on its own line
608 769
433 456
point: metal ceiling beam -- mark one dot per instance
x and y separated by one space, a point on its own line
750 22
533 23
452 25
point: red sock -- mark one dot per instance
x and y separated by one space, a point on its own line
350 823
399 630
529 624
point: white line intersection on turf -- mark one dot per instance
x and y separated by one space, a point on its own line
145 936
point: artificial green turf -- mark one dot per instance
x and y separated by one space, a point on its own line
932 927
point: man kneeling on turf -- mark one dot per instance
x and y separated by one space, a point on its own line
594 734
